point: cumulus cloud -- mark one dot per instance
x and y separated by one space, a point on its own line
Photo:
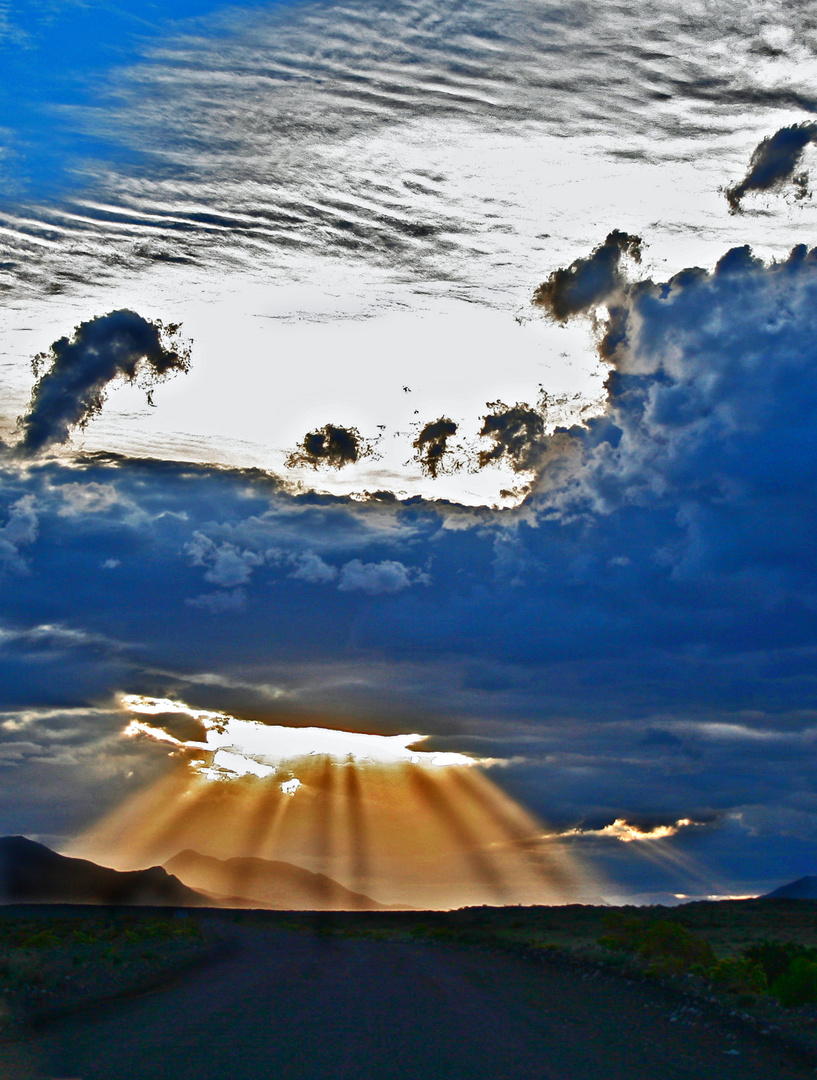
373 578
712 393
219 603
19 530
90 498
516 433
628 832
227 564
589 281
432 445
774 162
77 371
312 568
331 446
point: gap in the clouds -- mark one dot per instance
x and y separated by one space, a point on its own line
56 58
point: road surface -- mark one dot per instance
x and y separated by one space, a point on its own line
293 1006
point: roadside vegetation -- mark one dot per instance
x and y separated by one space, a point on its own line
752 959
786 970
52 961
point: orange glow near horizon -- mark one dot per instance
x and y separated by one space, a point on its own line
402 826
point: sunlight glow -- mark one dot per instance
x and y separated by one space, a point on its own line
622 830
247 747
372 819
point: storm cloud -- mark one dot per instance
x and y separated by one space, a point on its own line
775 161
432 445
589 281
330 446
78 370
516 433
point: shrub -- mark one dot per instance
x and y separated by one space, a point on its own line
672 948
740 975
798 986
774 956
623 932
42 939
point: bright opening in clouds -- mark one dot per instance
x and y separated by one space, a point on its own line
237 747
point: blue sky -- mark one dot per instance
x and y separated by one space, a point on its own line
609 584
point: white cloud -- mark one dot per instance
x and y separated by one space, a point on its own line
312 568
20 529
218 603
388 576
227 565
79 499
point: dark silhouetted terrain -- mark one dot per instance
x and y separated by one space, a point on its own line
32 873
307 1005
267 883
805 888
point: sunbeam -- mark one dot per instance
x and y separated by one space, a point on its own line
370 817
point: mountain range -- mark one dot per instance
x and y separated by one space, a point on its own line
805 888
32 873
266 883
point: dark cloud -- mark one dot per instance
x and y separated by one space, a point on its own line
773 162
517 434
330 446
638 637
588 282
79 369
432 445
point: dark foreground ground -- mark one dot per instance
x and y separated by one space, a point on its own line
367 998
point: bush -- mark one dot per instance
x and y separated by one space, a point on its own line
798 986
740 975
666 944
775 957
672 948
41 940
623 932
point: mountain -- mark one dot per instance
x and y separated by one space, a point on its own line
32 873
805 888
272 884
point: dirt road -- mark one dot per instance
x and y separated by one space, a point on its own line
291 1006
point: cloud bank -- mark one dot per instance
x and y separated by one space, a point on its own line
637 639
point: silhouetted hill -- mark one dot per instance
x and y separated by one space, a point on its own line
805 888
272 884
32 873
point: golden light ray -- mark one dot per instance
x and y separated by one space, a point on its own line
324 819
431 789
132 835
357 828
659 854
521 828
264 799
370 812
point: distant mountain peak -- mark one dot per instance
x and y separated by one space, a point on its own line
268 882
804 888
32 873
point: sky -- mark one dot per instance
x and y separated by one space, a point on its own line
435 368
